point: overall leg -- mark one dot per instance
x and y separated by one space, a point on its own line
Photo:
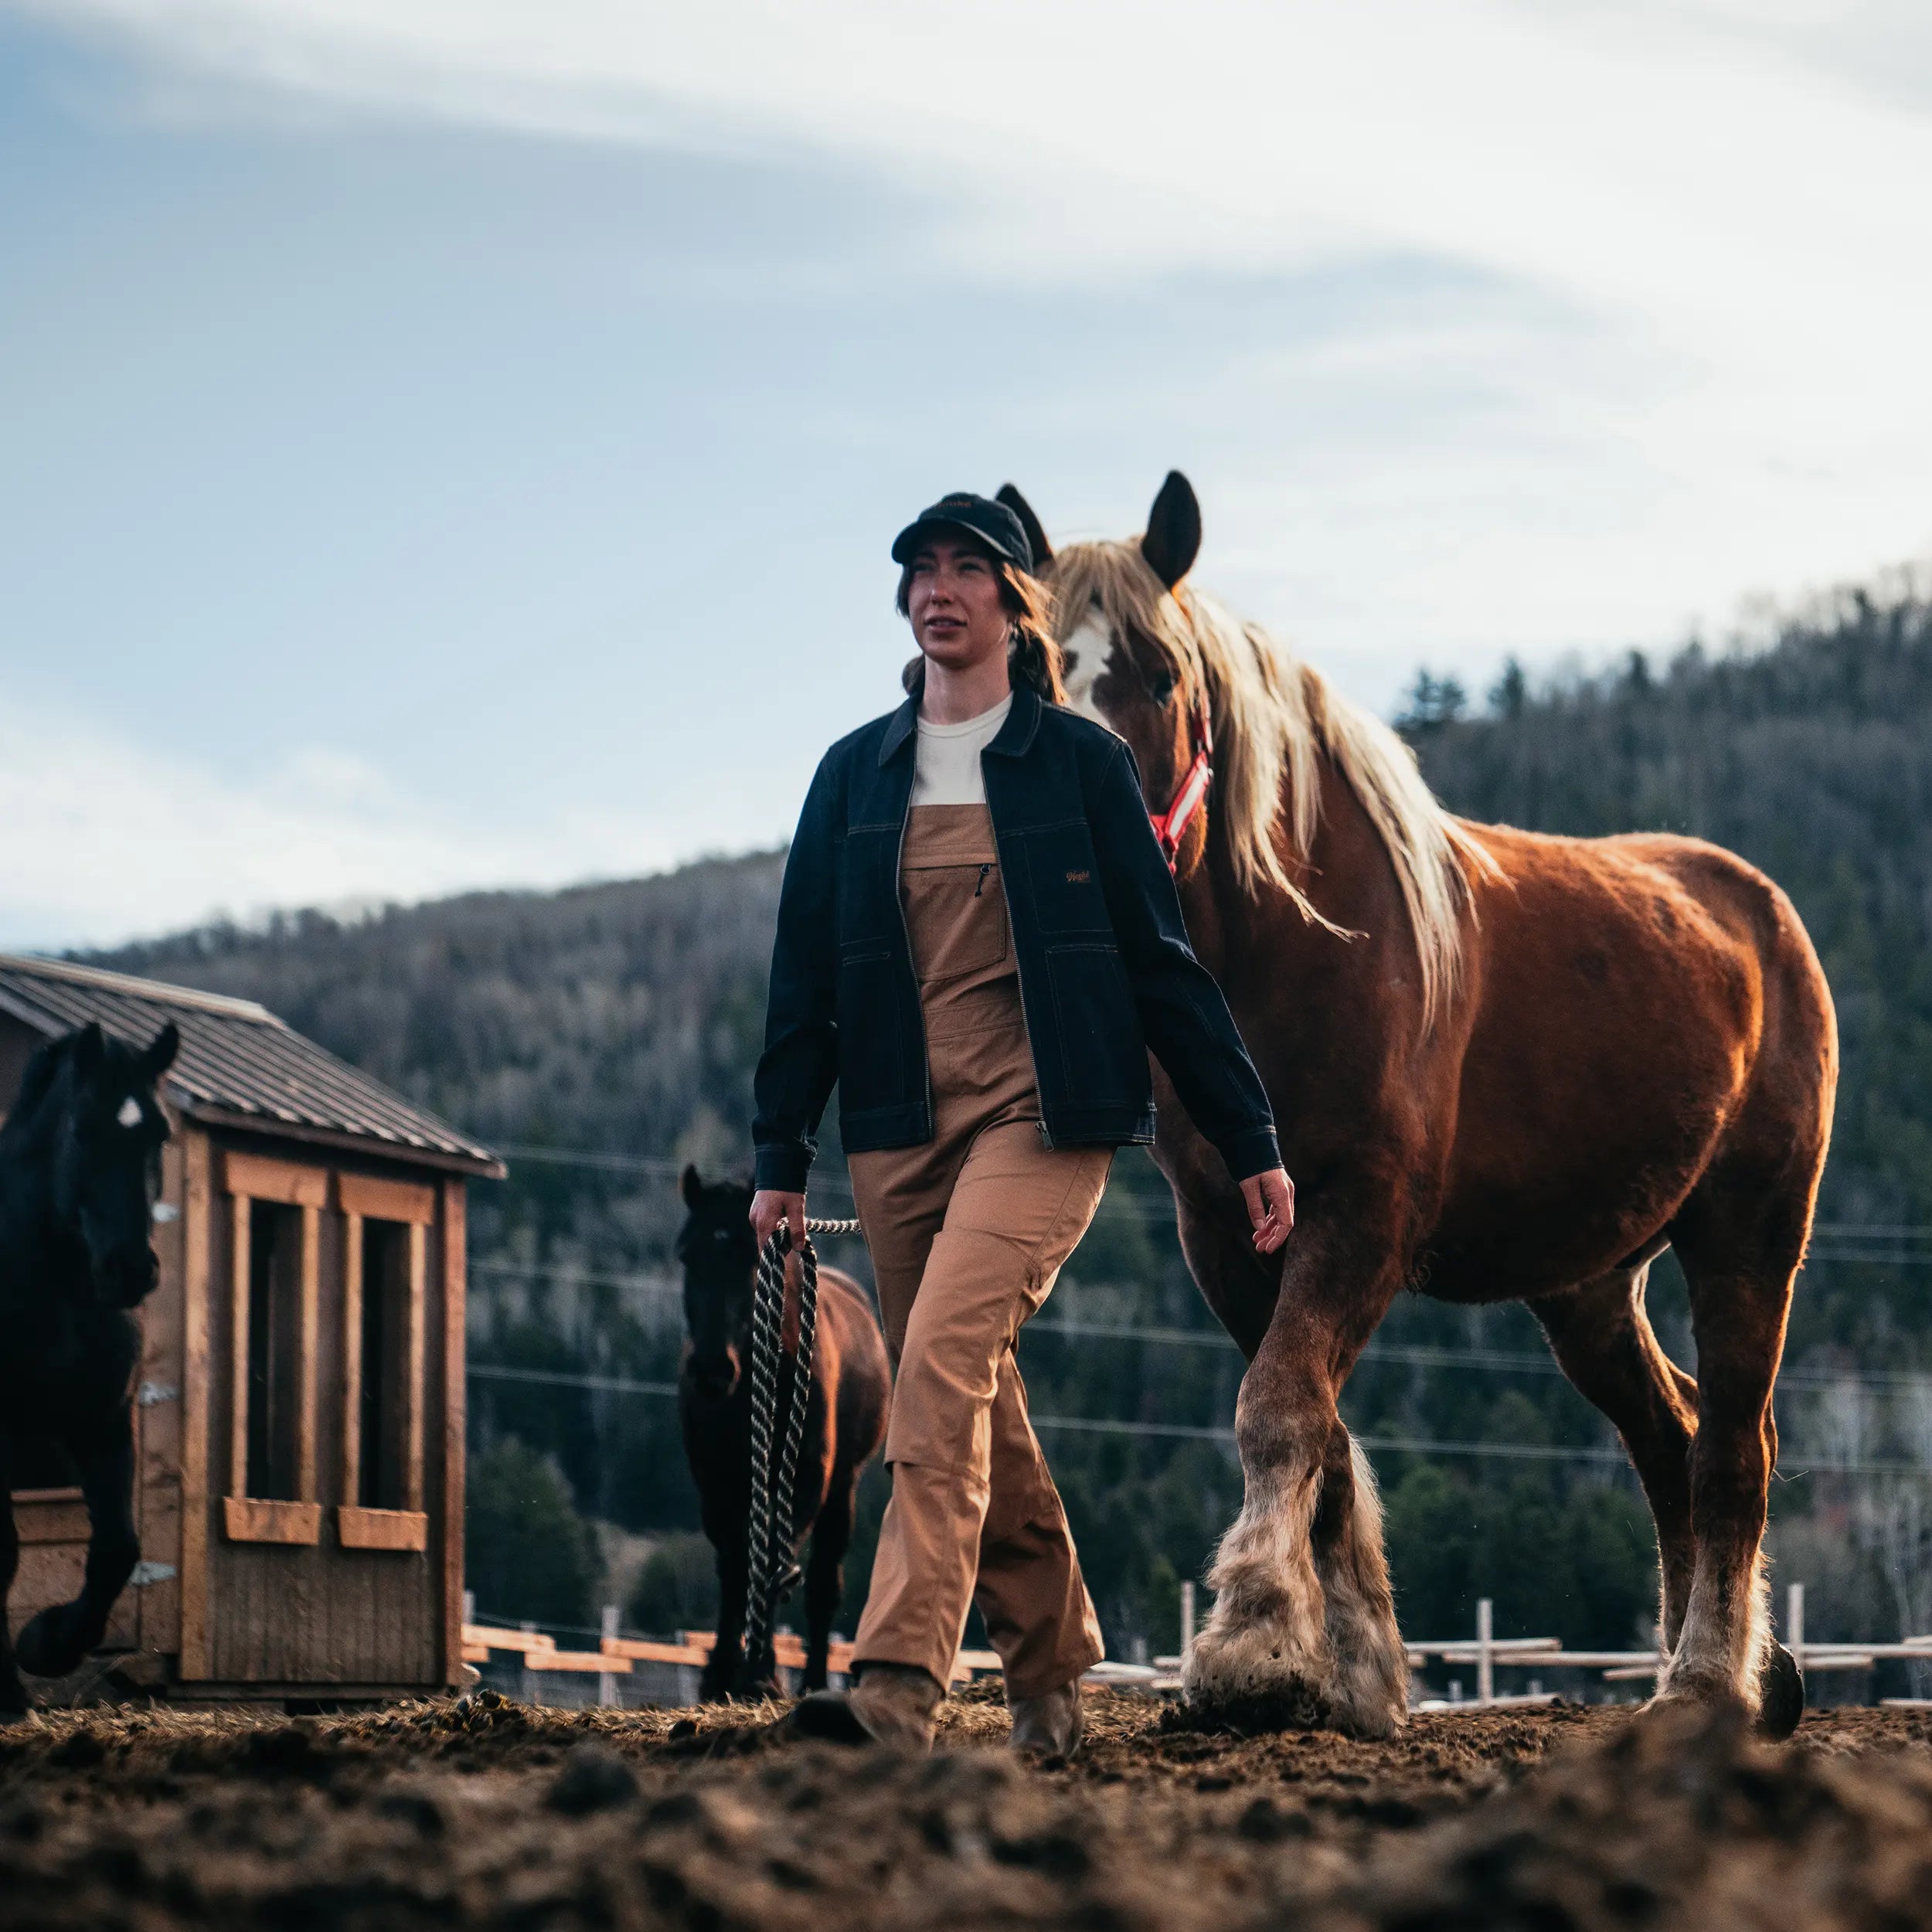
1270 1639
826 1576
58 1640
1601 1337
1016 1212
1039 1616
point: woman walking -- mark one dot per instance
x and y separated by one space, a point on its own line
978 942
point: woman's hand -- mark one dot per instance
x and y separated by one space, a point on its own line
769 1207
1270 1199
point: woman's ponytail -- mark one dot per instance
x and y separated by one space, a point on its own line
1033 659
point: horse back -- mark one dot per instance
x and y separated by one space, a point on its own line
1632 1006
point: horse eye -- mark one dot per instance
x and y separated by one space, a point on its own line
130 1113
1160 689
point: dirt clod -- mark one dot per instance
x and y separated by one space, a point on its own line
593 1779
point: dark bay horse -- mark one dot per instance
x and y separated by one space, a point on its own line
80 1172
844 1421
1505 1067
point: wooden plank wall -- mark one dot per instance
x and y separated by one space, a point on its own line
159 1419
451 1337
322 1614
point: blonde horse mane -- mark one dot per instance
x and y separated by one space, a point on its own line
1275 720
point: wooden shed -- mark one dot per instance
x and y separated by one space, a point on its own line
299 1413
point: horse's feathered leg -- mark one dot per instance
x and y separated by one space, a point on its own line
1600 1334
58 1640
1740 1239
1303 1630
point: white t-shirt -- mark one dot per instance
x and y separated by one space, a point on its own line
946 770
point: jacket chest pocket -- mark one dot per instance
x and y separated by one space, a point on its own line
956 916
1064 881
868 879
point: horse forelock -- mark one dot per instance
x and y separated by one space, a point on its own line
1275 720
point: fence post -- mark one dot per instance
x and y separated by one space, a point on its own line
529 1684
1187 1620
606 1680
1485 1654
1794 1623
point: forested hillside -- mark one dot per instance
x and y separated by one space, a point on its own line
604 1035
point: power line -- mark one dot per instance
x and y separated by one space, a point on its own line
1826 1234
560 1378
1416 1355
1197 1432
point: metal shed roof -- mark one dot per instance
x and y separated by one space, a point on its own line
239 1065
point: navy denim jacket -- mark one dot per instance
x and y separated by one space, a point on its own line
1106 972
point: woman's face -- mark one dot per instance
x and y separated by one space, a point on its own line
954 604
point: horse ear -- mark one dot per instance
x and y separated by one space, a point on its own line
89 1050
689 1185
1035 530
1173 539
161 1052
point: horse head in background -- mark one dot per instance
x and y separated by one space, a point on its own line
719 1256
80 1173
1505 1067
845 1422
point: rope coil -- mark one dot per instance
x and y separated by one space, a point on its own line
773 1567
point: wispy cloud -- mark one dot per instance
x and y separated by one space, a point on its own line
106 837
1725 188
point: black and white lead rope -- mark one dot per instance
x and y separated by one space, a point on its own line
772 1565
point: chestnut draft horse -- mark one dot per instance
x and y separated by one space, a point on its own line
1505 1067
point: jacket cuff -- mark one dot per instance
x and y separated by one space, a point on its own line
1252 1152
782 1168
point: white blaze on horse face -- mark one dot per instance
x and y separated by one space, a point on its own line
130 1113
1086 651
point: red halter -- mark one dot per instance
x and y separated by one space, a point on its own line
1170 827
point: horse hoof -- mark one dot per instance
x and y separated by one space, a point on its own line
1780 1686
1292 1707
42 1651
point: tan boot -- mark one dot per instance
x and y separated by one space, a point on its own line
1048 1727
895 1704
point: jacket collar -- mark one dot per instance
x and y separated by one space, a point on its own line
1013 740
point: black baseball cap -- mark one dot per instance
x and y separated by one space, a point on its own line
992 523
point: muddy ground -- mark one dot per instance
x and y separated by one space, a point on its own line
480 1813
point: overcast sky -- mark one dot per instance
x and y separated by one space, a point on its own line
455 442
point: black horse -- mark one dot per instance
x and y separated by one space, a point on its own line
845 1423
80 1170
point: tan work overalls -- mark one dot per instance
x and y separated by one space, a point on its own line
968 1234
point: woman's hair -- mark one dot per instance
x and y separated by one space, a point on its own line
1033 659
